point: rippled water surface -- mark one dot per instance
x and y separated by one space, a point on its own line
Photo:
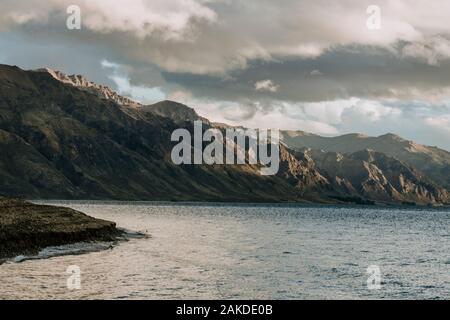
250 252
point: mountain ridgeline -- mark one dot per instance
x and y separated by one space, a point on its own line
64 137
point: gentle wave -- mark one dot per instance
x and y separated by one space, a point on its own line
78 248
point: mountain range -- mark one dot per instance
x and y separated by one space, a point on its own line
65 137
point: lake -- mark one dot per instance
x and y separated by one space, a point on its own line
222 251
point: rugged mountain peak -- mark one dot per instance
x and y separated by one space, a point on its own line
408 145
75 80
82 83
391 136
393 139
292 133
178 112
355 136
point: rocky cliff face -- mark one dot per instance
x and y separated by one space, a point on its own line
431 161
65 137
299 169
376 176
177 112
103 92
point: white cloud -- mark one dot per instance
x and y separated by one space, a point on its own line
439 123
108 64
326 111
369 111
316 72
432 50
266 85
170 20
328 117
142 94
143 18
253 115
216 36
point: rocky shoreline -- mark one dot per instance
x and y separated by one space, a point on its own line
26 228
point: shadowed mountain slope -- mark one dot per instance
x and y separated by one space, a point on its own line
59 141
60 137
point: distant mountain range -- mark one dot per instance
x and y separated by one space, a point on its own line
432 161
64 137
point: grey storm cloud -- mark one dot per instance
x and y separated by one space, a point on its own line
216 36
231 45
311 64
345 72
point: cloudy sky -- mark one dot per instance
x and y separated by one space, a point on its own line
328 67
